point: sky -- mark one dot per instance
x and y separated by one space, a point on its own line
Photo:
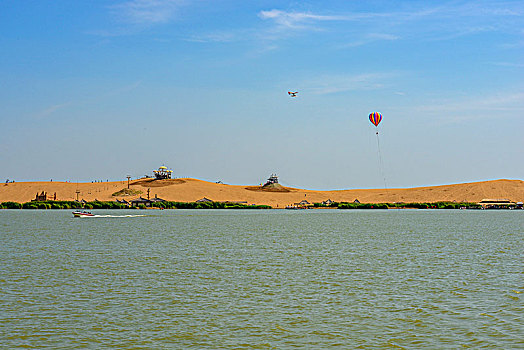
101 89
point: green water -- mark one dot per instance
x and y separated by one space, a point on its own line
315 279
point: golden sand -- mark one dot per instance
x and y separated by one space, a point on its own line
189 190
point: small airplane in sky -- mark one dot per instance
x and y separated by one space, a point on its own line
292 93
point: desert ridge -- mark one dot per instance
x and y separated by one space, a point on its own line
190 190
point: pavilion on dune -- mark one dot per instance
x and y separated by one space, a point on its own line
273 179
163 173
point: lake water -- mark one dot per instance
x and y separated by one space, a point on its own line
275 279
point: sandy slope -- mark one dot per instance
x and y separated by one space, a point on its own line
188 190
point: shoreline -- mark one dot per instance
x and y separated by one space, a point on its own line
167 205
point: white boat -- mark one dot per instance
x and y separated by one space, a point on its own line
79 214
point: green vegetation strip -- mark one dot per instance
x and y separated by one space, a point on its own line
116 205
433 205
207 205
226 205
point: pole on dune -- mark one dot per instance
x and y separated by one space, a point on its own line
128 177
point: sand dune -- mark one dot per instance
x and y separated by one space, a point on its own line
189 190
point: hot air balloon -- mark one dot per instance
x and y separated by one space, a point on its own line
375 118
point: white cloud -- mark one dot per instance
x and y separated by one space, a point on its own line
148 11
328 84
87 100
369 38
498 105
446 21
295 20
218 37
303 20
52 109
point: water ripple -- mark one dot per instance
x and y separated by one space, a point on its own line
262 280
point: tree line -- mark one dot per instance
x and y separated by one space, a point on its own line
415 205
227 205
117 205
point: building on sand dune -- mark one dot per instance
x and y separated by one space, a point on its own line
201 200
497 204
273 179
163 173
157 200
123 201
146 201
141 201
207 200
43 197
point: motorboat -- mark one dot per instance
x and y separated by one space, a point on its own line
79 214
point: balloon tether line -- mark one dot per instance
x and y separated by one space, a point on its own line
381 164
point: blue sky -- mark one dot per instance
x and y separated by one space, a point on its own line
101 89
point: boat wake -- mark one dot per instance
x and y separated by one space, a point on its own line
112 216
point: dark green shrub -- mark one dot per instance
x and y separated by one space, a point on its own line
56 206
362 205
30 205
11 205
207 205
346 205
